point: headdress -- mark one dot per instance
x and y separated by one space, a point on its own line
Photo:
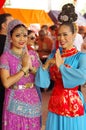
11 25
67 14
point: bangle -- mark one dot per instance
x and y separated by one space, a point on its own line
25 72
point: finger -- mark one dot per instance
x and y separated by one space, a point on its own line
26 49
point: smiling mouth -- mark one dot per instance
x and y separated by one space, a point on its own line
62 43
21 43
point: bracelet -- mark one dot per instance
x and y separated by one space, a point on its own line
25 72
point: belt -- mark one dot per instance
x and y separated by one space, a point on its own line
28 85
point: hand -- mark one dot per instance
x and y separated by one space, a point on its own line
48 63
26 61
59 60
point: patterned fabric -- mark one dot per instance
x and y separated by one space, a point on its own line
21 99
67 108
22 108
65 101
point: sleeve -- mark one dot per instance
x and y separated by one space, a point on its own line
42 78
4 62
52 54
73 77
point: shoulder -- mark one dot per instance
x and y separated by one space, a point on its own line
4 54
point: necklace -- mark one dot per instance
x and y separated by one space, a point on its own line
66 53
16 54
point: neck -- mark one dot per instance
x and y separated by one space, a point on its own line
68 48
17 51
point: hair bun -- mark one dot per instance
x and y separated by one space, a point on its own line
68 14
68 8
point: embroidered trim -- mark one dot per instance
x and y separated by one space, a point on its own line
22 108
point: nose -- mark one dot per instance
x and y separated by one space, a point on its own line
22 37
61 38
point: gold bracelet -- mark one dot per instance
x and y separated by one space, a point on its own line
25 72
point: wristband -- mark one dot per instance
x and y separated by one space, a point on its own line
25 72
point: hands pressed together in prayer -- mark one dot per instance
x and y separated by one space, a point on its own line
56 60
26 61
59 61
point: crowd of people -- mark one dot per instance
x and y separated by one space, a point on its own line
59 50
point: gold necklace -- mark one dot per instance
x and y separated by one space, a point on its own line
16 54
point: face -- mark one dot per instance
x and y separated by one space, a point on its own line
19 38
65 37
31 38
5 24
9 19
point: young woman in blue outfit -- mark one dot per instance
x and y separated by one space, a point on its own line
68 70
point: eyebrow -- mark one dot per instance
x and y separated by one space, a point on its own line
64 32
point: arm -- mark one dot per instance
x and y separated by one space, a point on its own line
74 76
8 79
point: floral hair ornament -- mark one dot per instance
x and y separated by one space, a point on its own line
11 25
64 18
67 14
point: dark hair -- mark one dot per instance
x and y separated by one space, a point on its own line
3 18
42 33
30 31
17 26
53 27
67 14
68 17
44 26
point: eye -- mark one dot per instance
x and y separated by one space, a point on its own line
17 35
25 35
65 34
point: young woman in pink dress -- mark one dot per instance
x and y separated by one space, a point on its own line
22 105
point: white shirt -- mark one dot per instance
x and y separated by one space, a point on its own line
78 41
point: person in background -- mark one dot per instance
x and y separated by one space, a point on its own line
31 44
82 31
22 105
4 21
78 40
5 18
53 35
83 47
67 108
46 29
32 47
45 45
